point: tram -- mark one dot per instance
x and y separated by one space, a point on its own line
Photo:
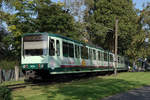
46 53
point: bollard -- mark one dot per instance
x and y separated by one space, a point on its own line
12 74
3 75
16 73
9 75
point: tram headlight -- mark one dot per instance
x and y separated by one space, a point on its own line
25 66
42 65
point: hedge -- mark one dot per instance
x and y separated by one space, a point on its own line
5 93
7 64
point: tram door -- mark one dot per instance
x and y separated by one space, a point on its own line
54 53
109 63
90 56
102 58
58 53
99 57
77 54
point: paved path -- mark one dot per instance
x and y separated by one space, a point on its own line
137 94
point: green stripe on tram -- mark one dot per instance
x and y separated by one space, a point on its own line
77 70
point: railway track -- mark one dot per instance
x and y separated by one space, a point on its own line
23 85
53 80
16 86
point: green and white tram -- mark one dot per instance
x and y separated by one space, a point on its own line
48 53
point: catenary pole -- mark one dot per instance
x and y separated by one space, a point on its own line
116 46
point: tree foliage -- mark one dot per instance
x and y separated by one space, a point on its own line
101 17
98 27
144 23
38 16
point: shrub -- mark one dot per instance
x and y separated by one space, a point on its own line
5 93
8 64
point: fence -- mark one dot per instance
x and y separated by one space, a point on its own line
12 74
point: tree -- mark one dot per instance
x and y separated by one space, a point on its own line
144 18
102 17
38 16
5 47
137 48
144 25
2 49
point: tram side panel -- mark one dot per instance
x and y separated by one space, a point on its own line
71 57
66 61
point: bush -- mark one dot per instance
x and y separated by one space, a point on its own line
5 93
7 64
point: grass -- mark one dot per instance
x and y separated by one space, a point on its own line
6 83
84 89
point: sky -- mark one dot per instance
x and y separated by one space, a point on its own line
138 3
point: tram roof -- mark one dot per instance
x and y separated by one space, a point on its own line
63 37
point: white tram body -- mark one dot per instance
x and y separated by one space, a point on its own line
57 54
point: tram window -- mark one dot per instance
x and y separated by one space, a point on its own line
65 49
105 56
122 60
99 55
77 51
68 49
51 47
58 48
102 56
90 53
94 54
111 58
84 53
71 50
33 52
119 60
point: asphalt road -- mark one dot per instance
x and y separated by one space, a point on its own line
136 94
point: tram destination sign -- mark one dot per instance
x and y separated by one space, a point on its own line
33 38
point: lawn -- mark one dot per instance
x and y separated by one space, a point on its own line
11 83
84 89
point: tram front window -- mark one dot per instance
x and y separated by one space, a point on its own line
35 45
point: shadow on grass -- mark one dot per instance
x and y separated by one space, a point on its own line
94 89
